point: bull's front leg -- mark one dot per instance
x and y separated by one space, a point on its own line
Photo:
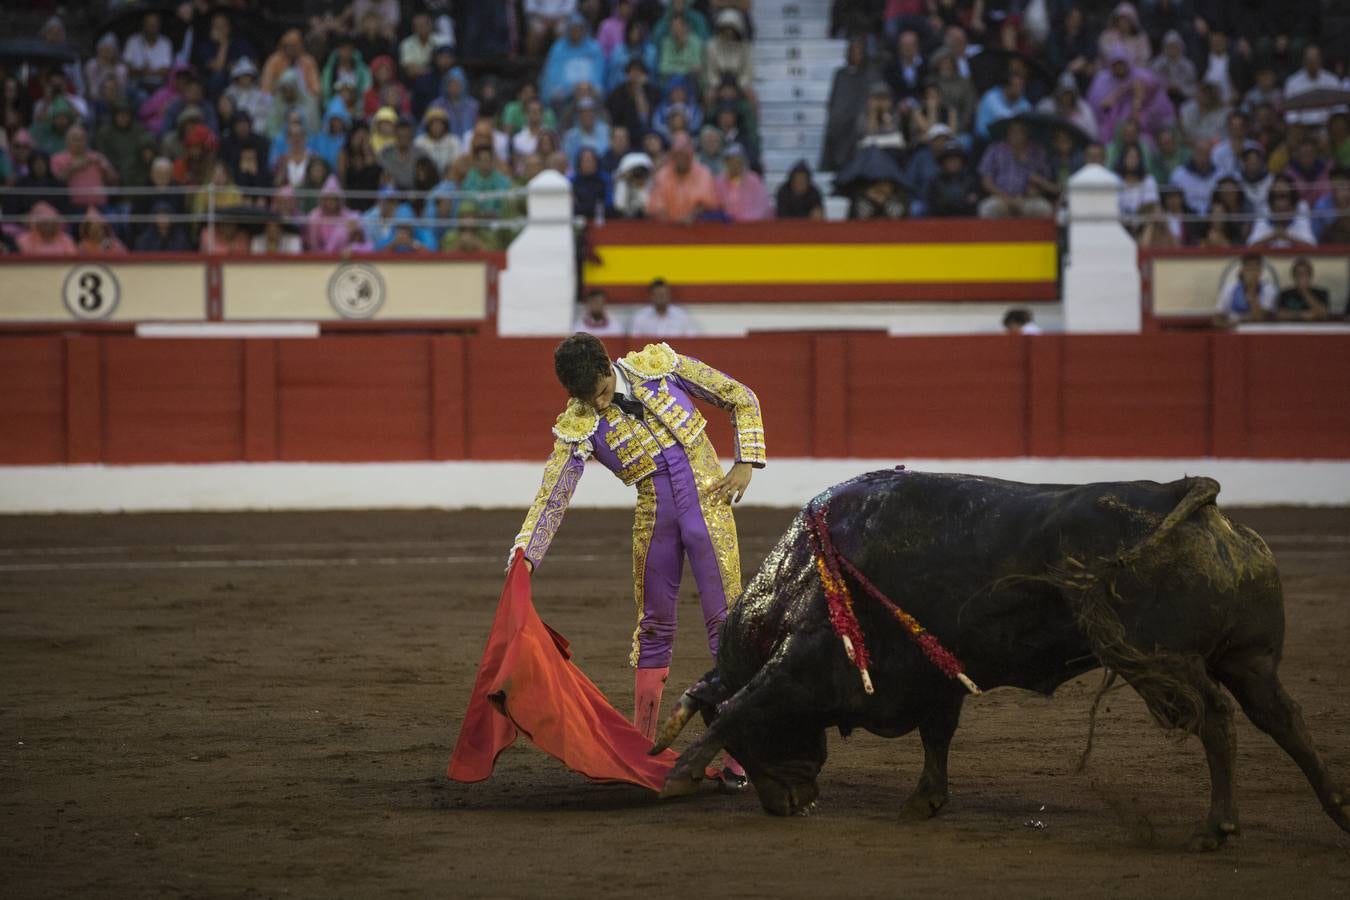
930 794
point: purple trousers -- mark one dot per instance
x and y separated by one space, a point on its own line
671 522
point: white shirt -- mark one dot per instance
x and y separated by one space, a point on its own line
676 323
610 328
552 9
1266 301
140 55
1300 229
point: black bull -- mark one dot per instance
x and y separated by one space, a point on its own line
1029 586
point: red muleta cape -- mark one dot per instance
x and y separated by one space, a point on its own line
527 682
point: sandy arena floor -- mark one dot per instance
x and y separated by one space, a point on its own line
263 705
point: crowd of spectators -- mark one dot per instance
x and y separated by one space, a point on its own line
363 129
1225 122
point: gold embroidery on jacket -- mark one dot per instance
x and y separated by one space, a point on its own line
717 517
644 524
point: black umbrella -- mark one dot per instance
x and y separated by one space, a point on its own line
989 66
1040 128
35 50
1317 98
868 165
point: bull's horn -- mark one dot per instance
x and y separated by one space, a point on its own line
675 724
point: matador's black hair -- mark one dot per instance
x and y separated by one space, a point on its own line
581 361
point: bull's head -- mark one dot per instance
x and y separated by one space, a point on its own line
782 753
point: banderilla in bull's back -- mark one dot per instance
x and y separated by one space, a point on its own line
1028 586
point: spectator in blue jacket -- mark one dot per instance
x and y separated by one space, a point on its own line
590 131
328 143
574 58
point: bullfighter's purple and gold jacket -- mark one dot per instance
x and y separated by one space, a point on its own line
666 384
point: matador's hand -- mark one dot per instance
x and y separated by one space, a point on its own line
733 486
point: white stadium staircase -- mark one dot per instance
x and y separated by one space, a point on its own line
795 61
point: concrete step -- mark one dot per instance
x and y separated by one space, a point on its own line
804 91
783 136
784 158
774 28
804 9
809 51
817 73
791 114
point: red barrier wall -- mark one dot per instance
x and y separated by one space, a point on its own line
117 399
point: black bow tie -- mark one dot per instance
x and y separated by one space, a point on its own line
628 405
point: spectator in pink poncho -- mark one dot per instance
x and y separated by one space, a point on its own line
152 110
610 33
45 236
742 192
85 171
1123 91
326 230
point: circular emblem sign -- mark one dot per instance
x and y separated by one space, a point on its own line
356 291
91 291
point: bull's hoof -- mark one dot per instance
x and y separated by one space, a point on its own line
1211 836
923 805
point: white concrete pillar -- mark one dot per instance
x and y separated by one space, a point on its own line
1102 291
535 293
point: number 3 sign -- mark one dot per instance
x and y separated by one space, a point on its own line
91 292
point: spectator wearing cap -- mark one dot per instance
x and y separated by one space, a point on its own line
106 63
594 318
415 50
290 56
45 236
922 166
589 131
345 61
399 158
245 94
683 189
633 104
635 46
148 54
680 53
661 318
728 53
85 172
437 142
290 97
798 197
632 186
385 88
573 59
484 176
1310 77
1016 175
741 191
1002 101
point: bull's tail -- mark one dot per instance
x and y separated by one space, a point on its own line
1165 679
